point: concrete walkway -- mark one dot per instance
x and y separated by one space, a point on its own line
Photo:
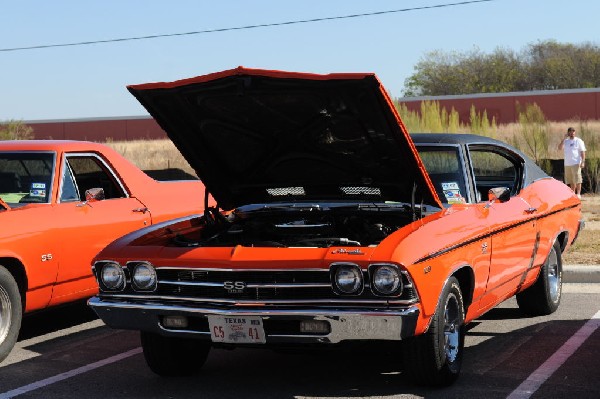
581 273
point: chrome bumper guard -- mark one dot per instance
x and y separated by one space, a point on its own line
345 325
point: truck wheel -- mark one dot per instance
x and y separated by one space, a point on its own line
11 312
435 358
168 356
543 297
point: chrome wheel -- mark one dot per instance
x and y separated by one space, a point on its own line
5 314
553 271
435 357
452 322
543 297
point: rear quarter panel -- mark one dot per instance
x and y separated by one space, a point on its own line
559 213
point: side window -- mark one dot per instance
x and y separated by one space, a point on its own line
446 172
493 168
26 177
83 172
69 190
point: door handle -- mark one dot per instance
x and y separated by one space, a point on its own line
141 210
530 210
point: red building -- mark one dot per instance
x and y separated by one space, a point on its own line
98 129
557 105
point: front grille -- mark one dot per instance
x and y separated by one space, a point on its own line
265 286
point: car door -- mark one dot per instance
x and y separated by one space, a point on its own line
87 227
513 225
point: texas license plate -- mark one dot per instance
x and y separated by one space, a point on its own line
236 329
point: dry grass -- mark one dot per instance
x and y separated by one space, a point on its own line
586 250
152 154
556 130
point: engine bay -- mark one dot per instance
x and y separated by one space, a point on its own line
302 225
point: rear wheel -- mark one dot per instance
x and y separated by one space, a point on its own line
11 312
168 356
543 297
435 358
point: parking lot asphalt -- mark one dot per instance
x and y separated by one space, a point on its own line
67 352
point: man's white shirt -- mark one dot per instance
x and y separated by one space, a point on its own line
573 148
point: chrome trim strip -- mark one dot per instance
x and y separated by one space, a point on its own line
216 269
349 301
98 302
208 284
299 285
190 283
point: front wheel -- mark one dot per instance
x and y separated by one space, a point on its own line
169 356
543 297
11 312
435 358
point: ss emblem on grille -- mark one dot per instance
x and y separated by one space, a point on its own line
234 287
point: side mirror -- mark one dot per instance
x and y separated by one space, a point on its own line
500 194
94 194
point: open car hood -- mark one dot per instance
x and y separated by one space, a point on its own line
3 205
259 136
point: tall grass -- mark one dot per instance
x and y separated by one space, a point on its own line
431 118
534 138
591 138
435 119
152 154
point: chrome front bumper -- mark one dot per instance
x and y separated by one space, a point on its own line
345 325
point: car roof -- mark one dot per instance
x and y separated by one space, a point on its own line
532 171
456 138
49 145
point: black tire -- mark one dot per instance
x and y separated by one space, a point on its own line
168 356
543 297
435 358
11 312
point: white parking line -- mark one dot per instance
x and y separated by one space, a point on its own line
63 376
20 353
539 376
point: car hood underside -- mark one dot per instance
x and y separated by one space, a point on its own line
257 136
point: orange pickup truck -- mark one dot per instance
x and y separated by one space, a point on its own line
61 202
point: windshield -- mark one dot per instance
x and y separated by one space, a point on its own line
26 177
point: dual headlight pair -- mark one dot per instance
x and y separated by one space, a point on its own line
113 276
348 279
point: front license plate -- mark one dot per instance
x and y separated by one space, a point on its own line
236 329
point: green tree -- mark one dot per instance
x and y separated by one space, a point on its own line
545 65
15 130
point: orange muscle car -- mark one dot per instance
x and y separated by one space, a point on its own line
61 202
333 224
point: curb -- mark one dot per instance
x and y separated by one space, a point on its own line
581 274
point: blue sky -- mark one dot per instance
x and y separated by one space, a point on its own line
89 81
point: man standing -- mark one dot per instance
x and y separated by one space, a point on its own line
574 149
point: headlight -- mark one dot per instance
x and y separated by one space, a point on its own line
386 280
112 276
348 278
143 277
